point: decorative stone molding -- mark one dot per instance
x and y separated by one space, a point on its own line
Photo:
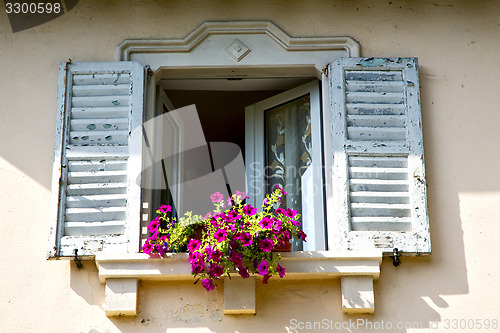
357 271
206 45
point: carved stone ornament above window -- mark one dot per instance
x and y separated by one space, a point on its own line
238 50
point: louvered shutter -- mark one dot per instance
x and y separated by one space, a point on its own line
379 191
97 163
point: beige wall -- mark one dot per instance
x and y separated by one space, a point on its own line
457 43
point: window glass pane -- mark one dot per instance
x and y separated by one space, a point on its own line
288 150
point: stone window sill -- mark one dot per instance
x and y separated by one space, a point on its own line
357 271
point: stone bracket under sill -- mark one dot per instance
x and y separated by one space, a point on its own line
357 271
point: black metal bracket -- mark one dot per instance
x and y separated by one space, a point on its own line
77 260
395 257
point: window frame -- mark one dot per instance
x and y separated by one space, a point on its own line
255 155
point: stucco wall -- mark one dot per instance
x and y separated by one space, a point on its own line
457 46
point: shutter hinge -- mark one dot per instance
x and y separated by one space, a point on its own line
77 260
149 71
395 257
325 71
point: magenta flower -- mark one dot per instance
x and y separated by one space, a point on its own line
196 267
263 267
237 258
290 213
215 270
217 197
208 284
232 215
243 272
266 245
249 210
154 237
266 278
295 223
302 235
212 254
281 270
193 245
147 247
165 208
245 238
220 235
154 224
266 223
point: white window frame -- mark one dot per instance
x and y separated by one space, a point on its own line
255 156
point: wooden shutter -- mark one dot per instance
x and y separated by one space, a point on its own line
379 191
97 163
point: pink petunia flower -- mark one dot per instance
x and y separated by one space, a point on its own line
263 267
281 270
208 284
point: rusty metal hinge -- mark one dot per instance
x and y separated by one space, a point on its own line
325 71
77 260
395 257
149 71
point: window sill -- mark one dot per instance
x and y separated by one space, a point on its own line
357 270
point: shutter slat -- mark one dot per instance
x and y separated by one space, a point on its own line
95 214
94 228
376 133
381 223
104 79
98 137
377 149
375 109
101 200
100 112
375 86
96 152
96 165
373 75
100 101
96 188
101 90
100 158
104 124
376 121
97 177
374 98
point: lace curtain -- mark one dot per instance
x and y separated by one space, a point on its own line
288 150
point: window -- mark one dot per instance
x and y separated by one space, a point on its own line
363 149
284 148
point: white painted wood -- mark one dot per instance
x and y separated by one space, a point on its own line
255 157
379 198
97 165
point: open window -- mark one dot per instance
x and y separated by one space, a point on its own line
284 148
